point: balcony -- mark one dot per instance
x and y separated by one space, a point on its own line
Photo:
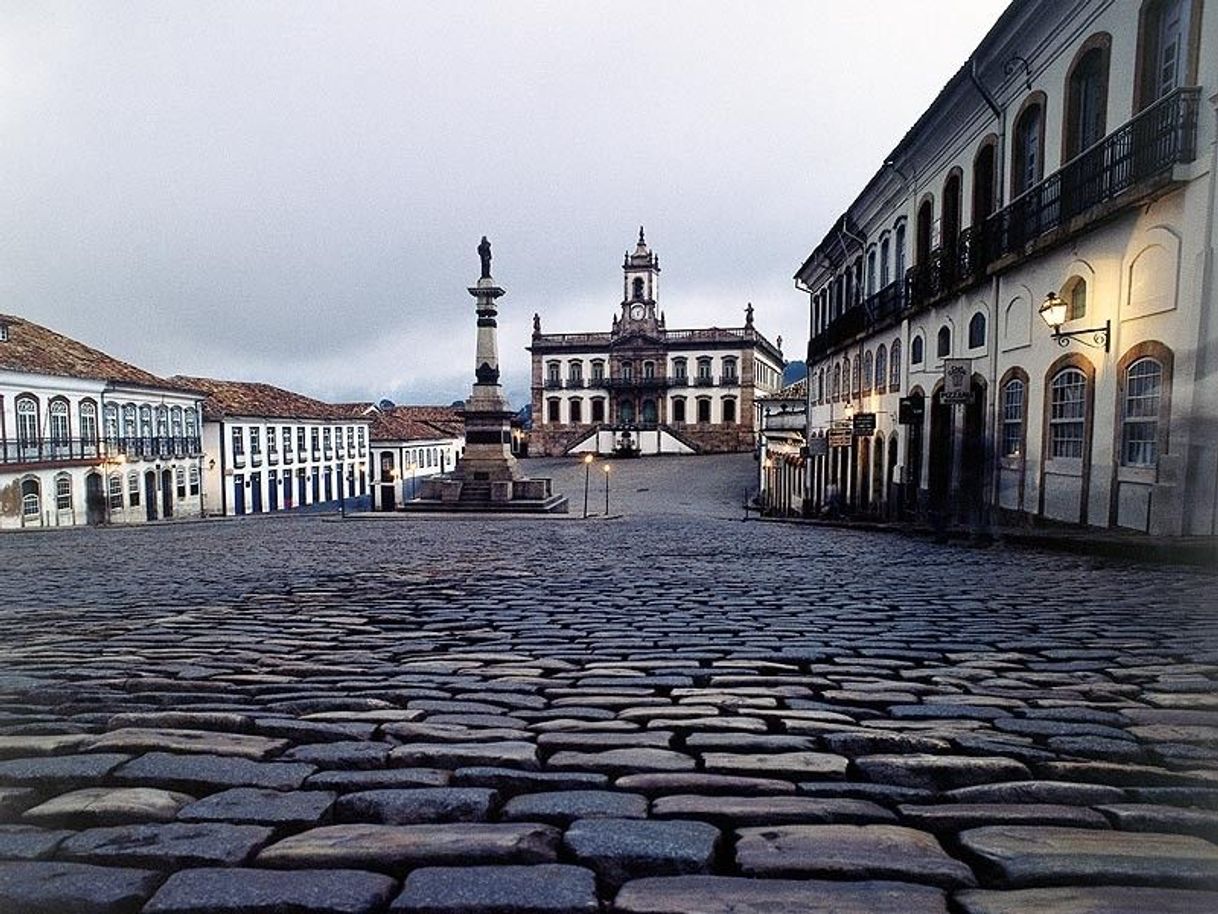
553 383
704 381
272 458
575 383
255 458
680 380
51 450
729 380
653 383
1124 168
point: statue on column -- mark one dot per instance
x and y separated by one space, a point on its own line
536 323
484 254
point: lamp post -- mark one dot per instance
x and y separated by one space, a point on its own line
606 468
587 480
1053 313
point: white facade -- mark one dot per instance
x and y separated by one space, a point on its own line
403 465
1088 175
86 451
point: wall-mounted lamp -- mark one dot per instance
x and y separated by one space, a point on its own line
1053 313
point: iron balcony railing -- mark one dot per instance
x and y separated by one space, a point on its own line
66 450
1139 151
655 382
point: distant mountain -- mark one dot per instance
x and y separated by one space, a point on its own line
795 371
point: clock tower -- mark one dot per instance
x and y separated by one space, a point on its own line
640 286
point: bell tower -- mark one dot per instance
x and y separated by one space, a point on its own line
640 282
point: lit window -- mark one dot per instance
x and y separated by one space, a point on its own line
1013 396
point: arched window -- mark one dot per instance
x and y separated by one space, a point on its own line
976 331
575 372
729 411
837 381
1166 58
1014 411
1086 97
110 419
61 431
820 386
871 274
625 411
27 422
638 289
881 368
856 387
88 422
649 369
628 370
146 421
63 492
176 423
576 410
192 428
162 422
916 354
984 182
898 252
1075 295
1028 146
894 376
704 369
554 410
130 428
885 262
943 347
598 370
704 409
1143 385
680 369
868 370
926 219
729 368
31 498
678 410
1068 413
846 378
950 230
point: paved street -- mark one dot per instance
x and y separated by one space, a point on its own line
667 711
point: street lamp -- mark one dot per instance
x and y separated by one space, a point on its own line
587 480
606 468
1053 313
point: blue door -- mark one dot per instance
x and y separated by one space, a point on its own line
239 493
256 492
301 490
272 489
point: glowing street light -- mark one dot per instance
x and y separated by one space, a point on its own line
587 480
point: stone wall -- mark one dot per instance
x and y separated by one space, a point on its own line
554 440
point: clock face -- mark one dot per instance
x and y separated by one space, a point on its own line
637 312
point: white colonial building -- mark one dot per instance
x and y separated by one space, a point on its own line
643 385
88 439
269 449
1066 172
409 444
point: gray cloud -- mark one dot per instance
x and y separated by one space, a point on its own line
293 192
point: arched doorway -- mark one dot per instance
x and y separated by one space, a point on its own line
649 412
864 474
95 500
625 412
150 494
940 476
891 476
973 455
879 495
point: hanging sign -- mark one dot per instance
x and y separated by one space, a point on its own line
957 380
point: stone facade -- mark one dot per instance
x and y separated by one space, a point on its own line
697 389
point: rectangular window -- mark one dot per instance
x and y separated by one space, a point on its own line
1012 418
315 441
133 490
255 441
115 486
63 493
194 480
179 478
300 439
238 441
326 440
1067 415
598 371
1140 423
287 439
272 440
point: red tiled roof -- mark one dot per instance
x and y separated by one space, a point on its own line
35 349
417 423
251 398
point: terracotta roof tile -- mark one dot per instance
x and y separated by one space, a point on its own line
251 398
417 423
35 349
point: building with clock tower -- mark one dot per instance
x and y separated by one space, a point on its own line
643 388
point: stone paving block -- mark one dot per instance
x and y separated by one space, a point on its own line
51 887
598 741
22 746
50 771
452 733
777 764
849 852
698 782
510 781
348 755
622 849
734 895
134 740
1019 856
1087 900
312 731
949 818
1125 775
939 772
259 806
876 793
397 848
93 806
1149 817
547 888
205 773
385 778
28 842
562 807
734 812
172 845
1056 792
15 800
512 754
407 807
622 761
225 722
227 890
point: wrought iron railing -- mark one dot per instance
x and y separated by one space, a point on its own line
66 450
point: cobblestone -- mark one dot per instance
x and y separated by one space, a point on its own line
673 692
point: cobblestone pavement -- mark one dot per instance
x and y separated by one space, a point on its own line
672 711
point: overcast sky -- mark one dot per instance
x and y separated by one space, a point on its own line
294 192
